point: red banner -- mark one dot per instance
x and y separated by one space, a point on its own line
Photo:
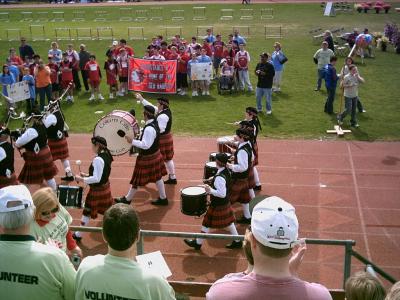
152 76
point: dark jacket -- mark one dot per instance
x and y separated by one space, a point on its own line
265 81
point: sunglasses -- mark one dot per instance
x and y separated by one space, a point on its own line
53 211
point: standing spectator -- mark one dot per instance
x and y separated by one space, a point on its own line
217 52
350 85
34 64
43 83
265 72
117 275
55 53
242 60
113 50
278 59
206 46
73 58
67 79
84 57
238 38
331 79
273 238
25 50
364 286
229 54
93 70
204 84
14 58
13 69
30 103
6 78
194 83
31 270
54 72
111 67
193 45
209 36
329 39
322 58
345 70
156 54
181 71
351 39
164 51
123 65
128 49
174 53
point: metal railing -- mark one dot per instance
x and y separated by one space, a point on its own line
347 244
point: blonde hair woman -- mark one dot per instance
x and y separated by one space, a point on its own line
52 221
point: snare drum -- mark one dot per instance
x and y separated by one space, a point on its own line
193 201
213 156
210 169
227 144
114 127
70 196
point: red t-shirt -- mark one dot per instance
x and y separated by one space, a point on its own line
66 71
218 48
93 70
230 57
129 50
165 52
16 60
123 63
172 56
208 49
54 72
242 60
182 65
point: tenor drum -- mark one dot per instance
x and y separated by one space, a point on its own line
210 169
70 196
227 144
193 201
114 127
213 156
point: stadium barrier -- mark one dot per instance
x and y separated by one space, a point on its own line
347 244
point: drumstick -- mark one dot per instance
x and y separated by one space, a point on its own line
78 163
230 148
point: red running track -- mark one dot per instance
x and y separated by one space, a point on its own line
341 190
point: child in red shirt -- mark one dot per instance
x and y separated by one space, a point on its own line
66 76
54 72
123 67
111 67
181 71
94 74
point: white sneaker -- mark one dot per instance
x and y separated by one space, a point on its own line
68 98
194 94
120 94
101 97
111 96
207 93
91 98
179 90
269 112
71 99
183 93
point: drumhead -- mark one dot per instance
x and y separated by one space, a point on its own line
109 126
211 164
193 190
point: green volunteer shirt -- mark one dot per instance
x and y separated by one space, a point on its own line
33 271
56 229
323 57
110 277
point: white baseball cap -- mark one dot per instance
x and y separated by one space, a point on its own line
274 223
15 193
115 43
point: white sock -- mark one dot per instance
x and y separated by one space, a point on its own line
84 221
52 183
130 194
232 230
67 167
246 211
171 169
203 230
252 194
256 177
161 189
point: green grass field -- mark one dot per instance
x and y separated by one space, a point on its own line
297 111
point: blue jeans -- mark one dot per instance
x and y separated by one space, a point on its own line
44 92
329 100
321 75
260 93
350 105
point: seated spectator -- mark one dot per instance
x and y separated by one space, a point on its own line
52 221
273 237
227 72
117 275
364 286
29 270
394 292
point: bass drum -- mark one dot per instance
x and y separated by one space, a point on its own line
193 201
114 127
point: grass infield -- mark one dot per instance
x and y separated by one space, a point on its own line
297 110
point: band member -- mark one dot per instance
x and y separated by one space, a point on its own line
7 174
164 121
149 163
57 139
99 198
242 190
219 214
39 165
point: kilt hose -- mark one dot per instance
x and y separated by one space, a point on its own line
98 200
220 216
239 191
38 167
148 168
255 163
167 146
7 181
59 149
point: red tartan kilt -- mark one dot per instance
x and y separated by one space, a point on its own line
59 149
167 146
239 191
255 163
99 199
38 167
252 182
148 168
5 181
219 217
